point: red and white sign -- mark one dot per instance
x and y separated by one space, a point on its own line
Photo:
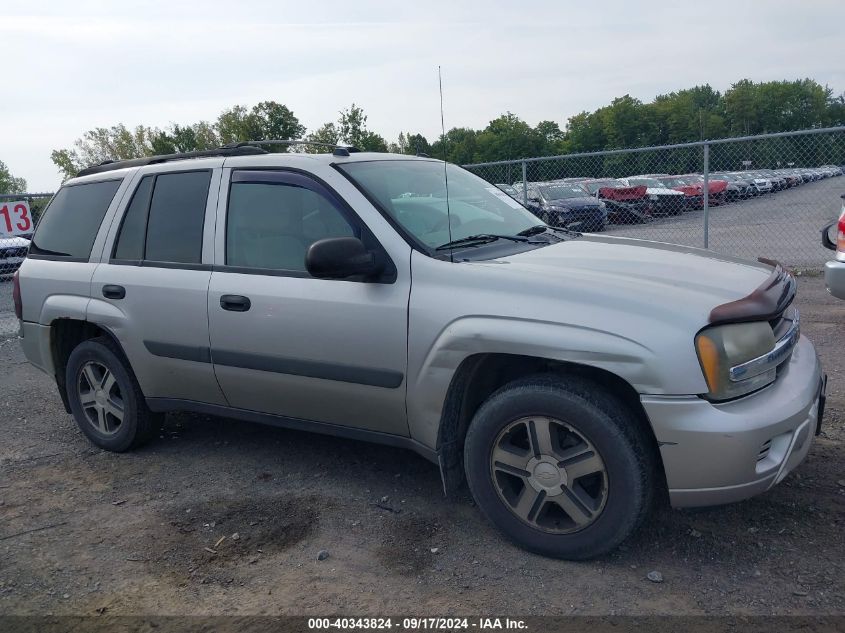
15 218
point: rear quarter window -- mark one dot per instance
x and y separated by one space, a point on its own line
72 220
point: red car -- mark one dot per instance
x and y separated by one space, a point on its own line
692 185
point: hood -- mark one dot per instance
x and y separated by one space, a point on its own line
575 203
650 280
663 191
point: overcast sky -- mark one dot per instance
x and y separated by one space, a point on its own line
72 66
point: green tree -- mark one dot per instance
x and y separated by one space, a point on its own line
8 183
103 144
352 126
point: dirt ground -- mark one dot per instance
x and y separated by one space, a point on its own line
225 517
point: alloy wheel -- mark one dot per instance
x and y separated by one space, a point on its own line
549 474
100 397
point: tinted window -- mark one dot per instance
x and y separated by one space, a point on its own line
71 222
177 212
272 225
130 240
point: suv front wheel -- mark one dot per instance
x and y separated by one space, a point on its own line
105 397
560 466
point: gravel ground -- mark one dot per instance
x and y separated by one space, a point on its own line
224 517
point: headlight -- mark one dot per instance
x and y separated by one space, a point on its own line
725 346
602 205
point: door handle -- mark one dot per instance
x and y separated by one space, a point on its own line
111 291
235 303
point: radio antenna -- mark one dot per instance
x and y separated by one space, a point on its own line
445 155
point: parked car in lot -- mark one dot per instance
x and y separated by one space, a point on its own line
833 238
567 205
662 199
12 252
625 205
761 183
737 188
569 378
693 191
717 187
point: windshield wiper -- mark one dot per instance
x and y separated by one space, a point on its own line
482 238
542 228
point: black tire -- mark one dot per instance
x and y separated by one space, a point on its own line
138 424
603 421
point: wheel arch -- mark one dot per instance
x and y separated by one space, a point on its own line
65 335
480 375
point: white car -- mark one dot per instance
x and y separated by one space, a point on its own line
12 252
833 237
664 201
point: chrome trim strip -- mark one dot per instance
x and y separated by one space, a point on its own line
780 352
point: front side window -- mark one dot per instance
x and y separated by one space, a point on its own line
270 225
413 192
164 220
72 220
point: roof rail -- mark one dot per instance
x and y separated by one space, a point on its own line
350 149
111 165
238 148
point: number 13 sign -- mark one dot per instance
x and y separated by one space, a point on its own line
15 218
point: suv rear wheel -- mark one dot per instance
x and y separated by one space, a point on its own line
105 397
559 466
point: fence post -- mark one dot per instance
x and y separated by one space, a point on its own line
524 184
706 195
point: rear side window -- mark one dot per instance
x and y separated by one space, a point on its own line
130 242
71 222
164 220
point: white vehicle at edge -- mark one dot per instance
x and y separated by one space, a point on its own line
12 253
833 238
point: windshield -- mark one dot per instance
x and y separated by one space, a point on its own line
413 192
645 182
562 192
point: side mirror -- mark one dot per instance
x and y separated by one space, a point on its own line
340 258
829 236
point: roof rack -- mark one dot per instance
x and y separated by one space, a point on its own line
339 150
111 165
240 148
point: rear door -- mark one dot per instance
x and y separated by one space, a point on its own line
288 344
151 288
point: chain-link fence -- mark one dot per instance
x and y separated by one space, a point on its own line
759 196
19 213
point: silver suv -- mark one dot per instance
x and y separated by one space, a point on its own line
570 379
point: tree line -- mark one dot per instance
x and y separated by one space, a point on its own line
746 108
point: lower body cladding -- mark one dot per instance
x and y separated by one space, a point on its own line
834 278
720 453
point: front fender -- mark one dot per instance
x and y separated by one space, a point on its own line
472 335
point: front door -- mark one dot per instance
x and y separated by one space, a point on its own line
285 343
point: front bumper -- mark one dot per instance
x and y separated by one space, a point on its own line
834 278
720 453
